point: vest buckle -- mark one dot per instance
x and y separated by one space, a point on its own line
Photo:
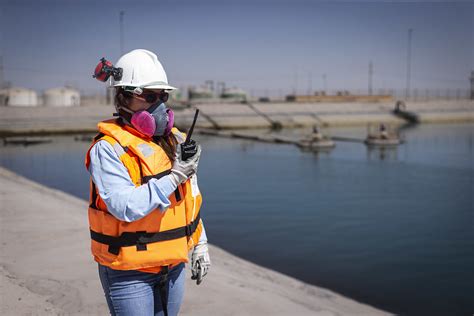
141 244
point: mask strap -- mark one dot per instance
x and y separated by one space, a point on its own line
153 107
125 114
126 110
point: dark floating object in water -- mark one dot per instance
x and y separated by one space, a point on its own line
316 141
381 142
29 140
323 144
384 137
83 138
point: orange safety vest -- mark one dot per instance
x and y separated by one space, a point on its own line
158 239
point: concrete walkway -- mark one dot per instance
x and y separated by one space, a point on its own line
46 267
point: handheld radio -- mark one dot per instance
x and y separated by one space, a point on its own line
188 148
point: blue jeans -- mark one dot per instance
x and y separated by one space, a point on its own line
137 293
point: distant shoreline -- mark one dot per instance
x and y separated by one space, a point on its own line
44 120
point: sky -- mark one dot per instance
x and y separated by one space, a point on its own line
261 46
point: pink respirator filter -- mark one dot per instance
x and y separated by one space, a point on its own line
170 124
144 122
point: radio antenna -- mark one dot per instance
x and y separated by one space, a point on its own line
191 129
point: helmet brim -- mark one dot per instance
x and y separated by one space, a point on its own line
152 86
160 86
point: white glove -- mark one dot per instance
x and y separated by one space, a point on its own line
182 170
200 262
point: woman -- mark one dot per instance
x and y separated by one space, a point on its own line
144 203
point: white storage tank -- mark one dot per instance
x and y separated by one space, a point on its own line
61 97
18 97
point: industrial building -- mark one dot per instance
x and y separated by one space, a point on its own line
234 94
16 96
208 93
200 93
63 96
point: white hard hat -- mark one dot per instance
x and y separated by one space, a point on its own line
142 69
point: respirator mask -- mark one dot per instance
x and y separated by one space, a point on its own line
157 120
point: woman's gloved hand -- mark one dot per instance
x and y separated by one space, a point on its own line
200 262
182 170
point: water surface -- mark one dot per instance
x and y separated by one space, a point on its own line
391 228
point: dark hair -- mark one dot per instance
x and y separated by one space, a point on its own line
122 97
167 143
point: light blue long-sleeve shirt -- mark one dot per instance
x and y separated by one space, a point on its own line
124 200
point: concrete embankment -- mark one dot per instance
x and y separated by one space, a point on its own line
47 120
46 267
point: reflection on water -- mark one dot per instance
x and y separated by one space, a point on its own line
382 153
392 228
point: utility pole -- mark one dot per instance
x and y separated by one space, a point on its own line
310 83
472 85
210 85
122 13
2 84
325 83
296 81
221 88
407 92
371 72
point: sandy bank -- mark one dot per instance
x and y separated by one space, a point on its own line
46 268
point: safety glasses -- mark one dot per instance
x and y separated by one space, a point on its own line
153 97
149 96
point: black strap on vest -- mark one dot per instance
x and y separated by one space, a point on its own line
141 239
98 136
163 289
93 196
145 179
160 175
